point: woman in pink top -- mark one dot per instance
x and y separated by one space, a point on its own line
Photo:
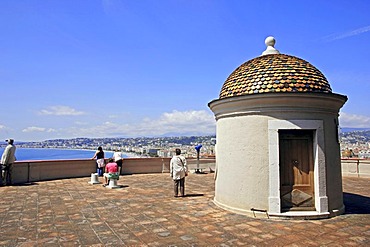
111 171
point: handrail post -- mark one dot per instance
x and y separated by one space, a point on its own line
162 165
28 172
358 167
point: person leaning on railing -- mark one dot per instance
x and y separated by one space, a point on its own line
100 163
6 163
117 156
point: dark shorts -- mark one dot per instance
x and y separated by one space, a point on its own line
5 167
119 163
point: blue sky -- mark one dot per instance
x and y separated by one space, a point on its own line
119 68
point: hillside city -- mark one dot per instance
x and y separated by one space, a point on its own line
134 147
354 144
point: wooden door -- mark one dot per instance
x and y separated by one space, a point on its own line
296 170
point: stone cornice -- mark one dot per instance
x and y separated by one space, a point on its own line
265 104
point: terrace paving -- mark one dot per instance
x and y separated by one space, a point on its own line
72 212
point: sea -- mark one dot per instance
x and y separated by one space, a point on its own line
55 154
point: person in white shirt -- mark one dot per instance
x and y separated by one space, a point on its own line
6 163
178 171
117 156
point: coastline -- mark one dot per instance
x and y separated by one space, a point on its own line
32 154
129 155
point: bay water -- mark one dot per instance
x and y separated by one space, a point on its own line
55 154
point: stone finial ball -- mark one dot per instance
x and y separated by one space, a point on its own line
270 41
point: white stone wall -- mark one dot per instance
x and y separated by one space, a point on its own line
247 149
242 153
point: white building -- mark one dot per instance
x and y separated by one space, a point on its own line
277 139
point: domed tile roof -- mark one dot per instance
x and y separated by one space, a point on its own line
274 73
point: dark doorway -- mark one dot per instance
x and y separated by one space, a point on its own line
296 170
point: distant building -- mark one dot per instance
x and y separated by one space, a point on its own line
364 154
152 151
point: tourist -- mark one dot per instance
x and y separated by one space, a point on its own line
117 156
111 171
6 163
99 155
179 171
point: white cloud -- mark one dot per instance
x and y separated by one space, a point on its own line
172 123
175 123
4 129
110 6
348 34
353 120
61 111
37 129
33 129
180 122
81 123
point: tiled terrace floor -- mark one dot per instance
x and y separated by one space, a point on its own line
72 212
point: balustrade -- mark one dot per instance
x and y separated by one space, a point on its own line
33 171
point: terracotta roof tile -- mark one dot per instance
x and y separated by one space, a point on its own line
273 74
